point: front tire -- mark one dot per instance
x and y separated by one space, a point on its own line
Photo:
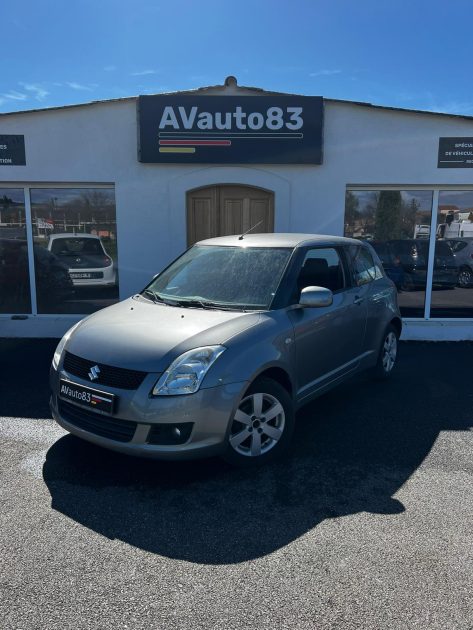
262 427
388 352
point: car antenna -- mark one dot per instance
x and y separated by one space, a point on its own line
240 238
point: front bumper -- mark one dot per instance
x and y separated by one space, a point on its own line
210 411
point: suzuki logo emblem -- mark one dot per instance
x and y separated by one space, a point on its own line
94 373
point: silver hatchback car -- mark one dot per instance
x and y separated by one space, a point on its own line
217 353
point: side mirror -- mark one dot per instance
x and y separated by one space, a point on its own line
315 297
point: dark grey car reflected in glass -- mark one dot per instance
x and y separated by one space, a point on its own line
14 270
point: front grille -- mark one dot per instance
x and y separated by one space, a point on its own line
104 426
120 378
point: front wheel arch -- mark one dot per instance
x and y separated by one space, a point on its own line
276 393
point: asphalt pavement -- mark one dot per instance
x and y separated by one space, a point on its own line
366 524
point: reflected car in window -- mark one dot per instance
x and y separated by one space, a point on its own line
218 352
14 276
405 262
85 256
53 282
463 253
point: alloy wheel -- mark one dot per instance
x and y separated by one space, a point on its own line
389 352
258 425
465 278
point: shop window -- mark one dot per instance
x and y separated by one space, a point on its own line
14 268
452 281
75 249
397 224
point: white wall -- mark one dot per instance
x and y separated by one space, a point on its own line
97 143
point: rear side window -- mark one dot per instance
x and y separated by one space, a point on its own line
457 246
364 267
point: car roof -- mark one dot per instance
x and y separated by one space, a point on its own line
72 235
279 239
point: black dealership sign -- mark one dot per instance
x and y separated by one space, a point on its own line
455 153
12 150
188 129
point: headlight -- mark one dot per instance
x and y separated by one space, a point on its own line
60 347
186 373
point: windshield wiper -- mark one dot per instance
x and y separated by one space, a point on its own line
208 304
157 299
191 302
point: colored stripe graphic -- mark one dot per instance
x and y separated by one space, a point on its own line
176 150
255 135
197 143
99 398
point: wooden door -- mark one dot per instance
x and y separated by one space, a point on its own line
228 209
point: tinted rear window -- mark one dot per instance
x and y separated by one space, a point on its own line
75 246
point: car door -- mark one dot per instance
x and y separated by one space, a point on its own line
328 340
370 283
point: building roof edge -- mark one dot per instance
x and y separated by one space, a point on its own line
235 90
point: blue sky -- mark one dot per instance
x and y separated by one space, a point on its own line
402 53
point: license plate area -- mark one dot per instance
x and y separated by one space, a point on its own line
92 275
87 396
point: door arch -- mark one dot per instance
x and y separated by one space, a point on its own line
226 209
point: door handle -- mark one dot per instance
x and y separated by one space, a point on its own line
358 299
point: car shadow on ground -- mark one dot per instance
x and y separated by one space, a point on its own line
353 449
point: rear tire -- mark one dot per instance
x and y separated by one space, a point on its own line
465 278
262 427
387 355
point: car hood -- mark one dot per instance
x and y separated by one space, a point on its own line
140 335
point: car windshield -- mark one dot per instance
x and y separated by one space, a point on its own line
243 278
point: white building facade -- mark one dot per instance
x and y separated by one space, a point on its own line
381 178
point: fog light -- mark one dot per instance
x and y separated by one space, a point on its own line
169 434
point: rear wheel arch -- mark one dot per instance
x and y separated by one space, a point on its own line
397 323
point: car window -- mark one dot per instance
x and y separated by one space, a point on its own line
442 248
76 246
365 269
457 246
322 267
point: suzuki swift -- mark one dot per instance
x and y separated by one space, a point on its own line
218 352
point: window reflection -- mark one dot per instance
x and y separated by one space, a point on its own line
397 224
14 271
454 250
74 231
